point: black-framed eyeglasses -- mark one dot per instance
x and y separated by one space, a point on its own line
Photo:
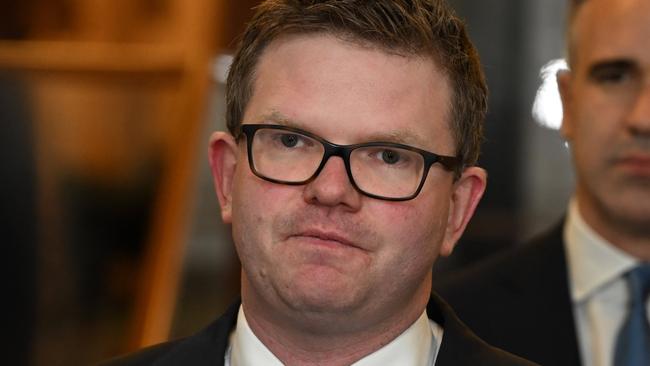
382 170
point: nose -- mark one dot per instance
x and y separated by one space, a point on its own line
639 117
332 187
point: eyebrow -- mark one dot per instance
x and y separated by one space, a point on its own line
279 118
405 137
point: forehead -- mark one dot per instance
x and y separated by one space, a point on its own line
344 54
611 29
327 85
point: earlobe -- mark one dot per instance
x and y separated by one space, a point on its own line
467 193
564 86
223 162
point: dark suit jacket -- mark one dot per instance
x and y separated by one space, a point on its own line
459 345
519 301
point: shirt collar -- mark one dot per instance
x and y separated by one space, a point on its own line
415 346
246 349
593 261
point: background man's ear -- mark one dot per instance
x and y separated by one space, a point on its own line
467 193
223 161
564 80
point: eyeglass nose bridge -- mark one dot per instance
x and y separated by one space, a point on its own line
344 152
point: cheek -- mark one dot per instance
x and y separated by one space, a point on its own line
598 114
595 127
258 205
413 238
252 211
593 138
416 229
433 225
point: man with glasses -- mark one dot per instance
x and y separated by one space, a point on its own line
579 294
348 168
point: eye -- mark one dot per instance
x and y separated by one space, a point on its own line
610 76
616 72
289 140
386 158
390 156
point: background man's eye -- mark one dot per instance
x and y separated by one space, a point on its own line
612 73
289 140
390 156
610 76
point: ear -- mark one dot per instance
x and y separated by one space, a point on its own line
223 161
467 192
564 81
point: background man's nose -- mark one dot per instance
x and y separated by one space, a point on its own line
638 119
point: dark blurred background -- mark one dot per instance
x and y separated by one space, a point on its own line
108 212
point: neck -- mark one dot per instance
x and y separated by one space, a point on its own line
331 339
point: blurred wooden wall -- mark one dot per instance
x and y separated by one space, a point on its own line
118 91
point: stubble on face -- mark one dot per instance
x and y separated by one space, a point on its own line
288 261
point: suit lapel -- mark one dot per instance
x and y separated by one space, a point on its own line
545 279
460 346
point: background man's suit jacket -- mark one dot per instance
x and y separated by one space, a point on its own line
519 301
459 346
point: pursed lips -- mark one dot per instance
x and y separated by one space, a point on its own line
326 237
634 160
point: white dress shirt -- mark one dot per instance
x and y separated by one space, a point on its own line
598 288
417 346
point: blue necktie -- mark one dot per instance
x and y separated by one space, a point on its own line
633 343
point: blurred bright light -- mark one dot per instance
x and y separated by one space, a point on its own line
547 108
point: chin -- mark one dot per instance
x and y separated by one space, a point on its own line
317 297
635 220
631 213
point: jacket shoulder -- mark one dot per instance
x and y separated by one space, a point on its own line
145 356
520 300
508 271
207 347
460 346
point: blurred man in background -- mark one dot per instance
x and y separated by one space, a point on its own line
349 168
579 293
